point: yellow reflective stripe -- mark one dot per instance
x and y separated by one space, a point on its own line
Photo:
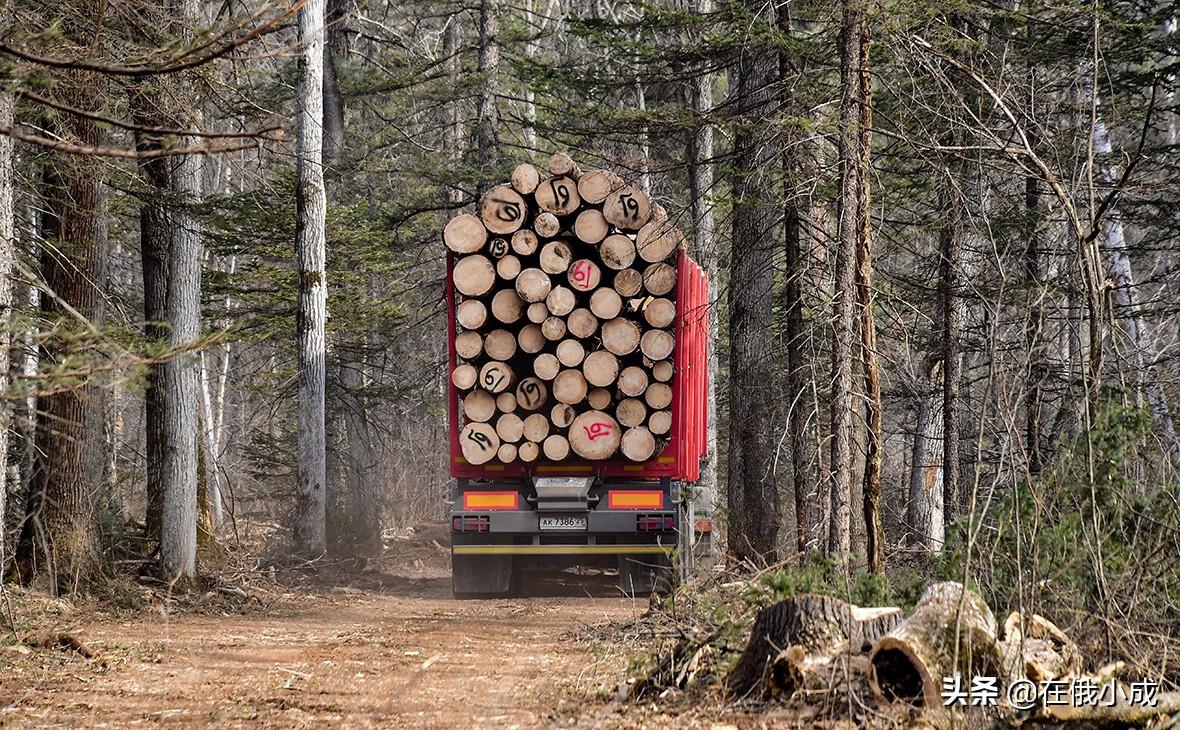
558 549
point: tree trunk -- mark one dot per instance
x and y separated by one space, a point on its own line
487 141
752 487
60 535
924 508
7 256
311 209
845 306
335 53
950 238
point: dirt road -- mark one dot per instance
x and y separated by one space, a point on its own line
402 654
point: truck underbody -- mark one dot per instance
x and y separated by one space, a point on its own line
644 529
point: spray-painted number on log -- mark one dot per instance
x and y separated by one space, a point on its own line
598 429
561 193
498 247
492 380
507 210
581 273
530 394
630 206
479 439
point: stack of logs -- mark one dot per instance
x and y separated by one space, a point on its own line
566 302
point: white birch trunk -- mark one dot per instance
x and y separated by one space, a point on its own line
311 211
178 524
7 251
924 513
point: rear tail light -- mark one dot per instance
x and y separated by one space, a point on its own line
470 523
655 523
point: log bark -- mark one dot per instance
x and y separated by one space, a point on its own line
628 282
617 251
633 381
570 353
584 275
471 314
562 415
496 377
659 279
570 387
558 195
595 435
950 631
582 323
507 306
627 208
556 447
500 344
502 210
638 444
606 303
532 285
819 625
595 185
657 344
525 242
601 368
561 301
631 412
1032 646
620 336
546 366
509 427
556 257
590 226
465 233
536 427
479 443
468 345
479 405
525 178
464 376
474 275
530 339
531 394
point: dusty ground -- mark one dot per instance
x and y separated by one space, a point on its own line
396 651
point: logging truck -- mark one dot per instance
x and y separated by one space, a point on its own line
577 336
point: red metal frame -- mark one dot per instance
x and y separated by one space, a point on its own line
681 459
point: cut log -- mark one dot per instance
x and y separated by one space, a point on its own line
659 312
553 328
590 226
570 353
556 447
562 415
556 257
506 454
525 178
471 314
627 208
631 412
633 381
479 443
1119 714
584 275
500 344
562 164
537 312
569 387
507 306
620 336
465 233
533 285
628 282
464 376
599 399
496 377
582 323
660 422
657 344
606 303
662 371
595 435
601 368
558 195
657 241
502 210
531 394
497 248
561 301
528 452
595 185
509 427
530 339
508 267
819 625
479 405
474 275
659 279
524 242
536 427
506 402
468 345
658 212
546 366
617 251
908 663
658 396
1033 647
638 444
546 225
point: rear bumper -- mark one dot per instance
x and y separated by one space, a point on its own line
598 522
521 549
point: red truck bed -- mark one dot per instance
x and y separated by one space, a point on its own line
681 458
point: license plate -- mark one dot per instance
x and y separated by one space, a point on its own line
563 523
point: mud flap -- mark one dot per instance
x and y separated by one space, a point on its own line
481 576
642 575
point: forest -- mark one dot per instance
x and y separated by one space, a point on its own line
941 241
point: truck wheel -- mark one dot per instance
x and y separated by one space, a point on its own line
483 576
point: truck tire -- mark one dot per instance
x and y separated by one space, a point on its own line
483 576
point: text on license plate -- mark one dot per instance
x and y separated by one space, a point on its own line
563 523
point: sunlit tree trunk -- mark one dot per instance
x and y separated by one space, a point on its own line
7 256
